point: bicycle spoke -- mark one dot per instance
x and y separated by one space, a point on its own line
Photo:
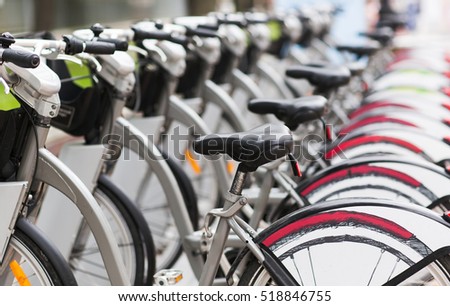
91 251
155 207
312 267
375 268
91 274
393 269
90 262
296 268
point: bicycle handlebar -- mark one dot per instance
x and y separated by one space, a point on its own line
75 46
201 32
21 58
98 47
121 45
211 27
239 23
159 35
255 18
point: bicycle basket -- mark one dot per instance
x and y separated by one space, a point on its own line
80 98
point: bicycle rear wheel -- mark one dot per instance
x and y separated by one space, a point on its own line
32 260
356 242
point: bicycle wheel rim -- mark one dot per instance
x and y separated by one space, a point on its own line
30 260
356 244
86 260
348 273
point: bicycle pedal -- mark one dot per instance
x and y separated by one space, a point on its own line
167 277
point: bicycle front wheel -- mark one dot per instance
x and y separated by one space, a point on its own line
132 234
31 260
363 243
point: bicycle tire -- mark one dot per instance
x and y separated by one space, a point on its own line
135 220
190 200
304 241
381 177
136 243
186 188
151 198
46 265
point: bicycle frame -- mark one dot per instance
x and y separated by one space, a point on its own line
234 201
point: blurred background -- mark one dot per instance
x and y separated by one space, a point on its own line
34 15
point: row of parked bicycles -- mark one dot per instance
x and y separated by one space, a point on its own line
235 140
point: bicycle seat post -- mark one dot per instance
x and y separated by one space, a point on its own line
238 181
221 232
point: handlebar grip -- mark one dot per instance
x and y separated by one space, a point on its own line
121 45
142 34
180 40
20 58
211 27
99 47
239 23
159 35
75 46
201 32
252 19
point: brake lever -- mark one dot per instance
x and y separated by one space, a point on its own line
198 41
157 50
63 57
138 50
92 59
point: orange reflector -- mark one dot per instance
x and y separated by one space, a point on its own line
178 278
194 164
230 167
19 274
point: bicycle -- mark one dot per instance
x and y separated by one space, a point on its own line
174 109
45 167
271 248
28 257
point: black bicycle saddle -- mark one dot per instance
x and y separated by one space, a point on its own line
292 112
382 35
252 148
366 49
328 77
